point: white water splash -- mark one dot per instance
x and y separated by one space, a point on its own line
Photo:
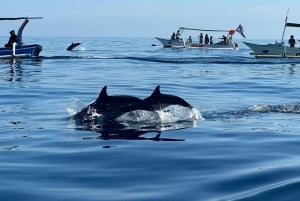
74 106
175 113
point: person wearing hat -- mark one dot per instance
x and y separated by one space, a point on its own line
12 39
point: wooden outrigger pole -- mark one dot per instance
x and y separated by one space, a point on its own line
282 42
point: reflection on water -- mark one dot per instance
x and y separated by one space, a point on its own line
15 71
116 130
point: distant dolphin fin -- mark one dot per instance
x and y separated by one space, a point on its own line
103 94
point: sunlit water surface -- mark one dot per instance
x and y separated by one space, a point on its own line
246 148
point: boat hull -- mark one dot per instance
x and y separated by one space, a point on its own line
273 50
228 46
21 51
179 43
171 43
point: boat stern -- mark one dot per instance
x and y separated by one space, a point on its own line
36 51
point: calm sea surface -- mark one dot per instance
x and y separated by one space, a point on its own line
247 148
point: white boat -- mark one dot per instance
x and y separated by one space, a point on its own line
273 50
225 43
220 45
277 50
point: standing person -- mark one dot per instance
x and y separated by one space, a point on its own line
292 41
206 39
12 39
200 37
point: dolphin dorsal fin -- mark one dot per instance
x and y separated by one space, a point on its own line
103 94
156 91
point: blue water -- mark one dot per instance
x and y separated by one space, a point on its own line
247 148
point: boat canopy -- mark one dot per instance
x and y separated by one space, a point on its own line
288 24
212 30
239 29
20 30
19 18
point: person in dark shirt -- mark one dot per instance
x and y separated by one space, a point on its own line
211 40
206 39
292 41
200 38
224 39
12 39
173 36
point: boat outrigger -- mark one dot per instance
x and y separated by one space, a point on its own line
277 50
225 43
19 49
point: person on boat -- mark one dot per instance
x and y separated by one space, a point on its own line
206 39
229 38
189 40
292 41
211 40
12 39
178 34
224 39
200 37
173 36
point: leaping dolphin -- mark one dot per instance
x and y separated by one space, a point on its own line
72 46
159 101
112 107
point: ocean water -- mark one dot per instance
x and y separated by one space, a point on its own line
246 148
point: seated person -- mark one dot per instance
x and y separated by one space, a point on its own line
178 34
12 39
173 36
292 41
189 40
224 39
211 40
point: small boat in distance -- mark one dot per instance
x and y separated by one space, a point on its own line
225 43
19 49
277 50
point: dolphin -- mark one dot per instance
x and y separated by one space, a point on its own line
160 101
72 46
172 108
111 107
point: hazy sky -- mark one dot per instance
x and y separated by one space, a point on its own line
149 18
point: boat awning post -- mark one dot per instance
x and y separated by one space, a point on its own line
282 42
14 49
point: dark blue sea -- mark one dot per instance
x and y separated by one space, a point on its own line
246 148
